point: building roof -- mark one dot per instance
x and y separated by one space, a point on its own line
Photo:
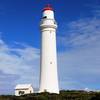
23 86
48 7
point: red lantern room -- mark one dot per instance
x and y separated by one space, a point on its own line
48 7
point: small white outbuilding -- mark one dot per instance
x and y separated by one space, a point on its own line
22 89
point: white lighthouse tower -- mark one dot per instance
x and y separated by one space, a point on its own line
48 63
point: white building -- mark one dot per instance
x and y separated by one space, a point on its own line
22 89
48 72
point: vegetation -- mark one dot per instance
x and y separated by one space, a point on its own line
64 95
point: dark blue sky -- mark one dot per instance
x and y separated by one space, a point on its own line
19 19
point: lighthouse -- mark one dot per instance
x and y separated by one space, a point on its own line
48 57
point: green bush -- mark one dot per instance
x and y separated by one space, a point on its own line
64 95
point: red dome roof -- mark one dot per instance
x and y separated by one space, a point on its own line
48 7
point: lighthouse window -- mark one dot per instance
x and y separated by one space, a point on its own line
50 62
45 17
55 22
45 90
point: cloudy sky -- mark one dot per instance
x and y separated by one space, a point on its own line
78 43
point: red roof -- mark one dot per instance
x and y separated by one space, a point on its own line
48 7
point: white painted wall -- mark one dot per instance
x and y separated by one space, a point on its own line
48 75
26 91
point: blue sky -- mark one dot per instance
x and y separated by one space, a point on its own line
78 43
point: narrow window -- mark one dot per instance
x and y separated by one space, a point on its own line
30 91
45 90
51 62
44 17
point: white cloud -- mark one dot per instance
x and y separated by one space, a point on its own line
81 32
23 62
79 66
